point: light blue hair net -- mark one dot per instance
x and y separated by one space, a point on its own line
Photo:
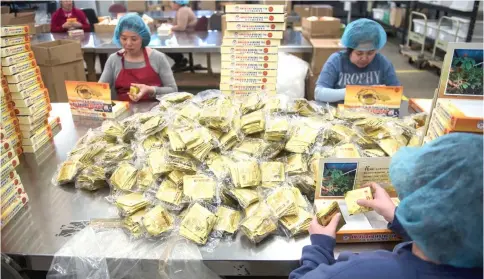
132 22
182 2
364 34
440 186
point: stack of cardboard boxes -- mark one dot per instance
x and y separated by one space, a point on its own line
25 92
58 61
249 49
454 116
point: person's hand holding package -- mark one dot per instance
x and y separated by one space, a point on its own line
381 202
142 90
329 230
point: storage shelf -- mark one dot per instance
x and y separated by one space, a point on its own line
443 9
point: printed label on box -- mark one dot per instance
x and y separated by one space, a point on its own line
249 58
17 59
20 67
384 100
12 50
249 65
247 80
250 42
255 9
23 76
10 41
35 97
27 92
247 87
255 17
254 34
248 73
255 26
14 30
246 50
25 84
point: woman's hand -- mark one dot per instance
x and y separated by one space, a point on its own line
329 230
143 90
381 202
76 24
67 25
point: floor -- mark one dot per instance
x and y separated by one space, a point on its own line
416 83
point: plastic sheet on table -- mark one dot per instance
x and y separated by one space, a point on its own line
109 253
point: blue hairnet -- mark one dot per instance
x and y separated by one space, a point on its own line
364 34
182 2
132 22
440 186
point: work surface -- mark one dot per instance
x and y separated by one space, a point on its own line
54 214
198 42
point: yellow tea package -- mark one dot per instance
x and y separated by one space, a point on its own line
219 165
197 224
158 221
91 178
68 171
158 163
296 224
301 139
245 174
359 194
347 150
199 187
145 178
130 203
227 220
282 202
133 223
258 225
124 177
179 161
301 201
327 212
253 122
276 129
170 193
245 197
296 164
272 173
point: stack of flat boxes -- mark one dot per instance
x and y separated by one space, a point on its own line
29 97
455 116
249 49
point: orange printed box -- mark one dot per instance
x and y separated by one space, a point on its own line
11 177
255 26
7 115
9 129
23 76
247 80
32 99
20 67
384 100
35 124
249 58
248 87
16 59
12 50
268 34
37 145
243 94
14 88
249 65
255 17
31 119
250 42
246 50
14 30
24 94
13 141
241 72
33 109
16 40
10 166
254 9
462 115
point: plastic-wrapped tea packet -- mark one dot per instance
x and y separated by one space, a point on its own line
157 161
244 196
359 194
133 223
276 129
197 224
373 152
158 221
301 139
171 194
259 224
296 224
199 187
171 99
130 203
281 202
228 220
245 174
253 122
219 165
252 103
296 164
326 212
91 178
347 150
124 177
272 173
67 172
145 178
178 161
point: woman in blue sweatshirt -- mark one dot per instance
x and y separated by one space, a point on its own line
359 64
441 193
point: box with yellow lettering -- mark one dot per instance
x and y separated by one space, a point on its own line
32 99
268 34
238 72
35 124
249 58
12 185
249 65
11 177
17 87
46 137
250 42
23 76
246 50
8 167
14 30
37 136
239 93
16 59
12 50
31 119
27 92
20 67
15 40
7 115
247 80
255 26
9 128
255 17
13 141
248 87
255 9
41 104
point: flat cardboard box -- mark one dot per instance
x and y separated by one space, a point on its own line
57 52
241 72
254 34
249 58
13 30
255 17
18 58
33 98
248 87
42 28
14 40
249 65
54 77
323 27
104 28
23 76
35 125
397 17
269 8
321 10
10 212
17 87
9 128
10 166
302 10
250 42
33 108
27 92
20 67
248 50
118 109
12 50
7 116
10 178
12 142
254 26
38 137
242 94
31 119
322 49
247 80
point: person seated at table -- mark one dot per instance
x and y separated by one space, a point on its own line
62 19
136 64
185 20
440 189
359 64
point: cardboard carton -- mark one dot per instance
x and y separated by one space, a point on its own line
57 52
54 77
397 16
207 5
303 10
23 18
42 28
321 10
136 6
104 28
322 27
322 49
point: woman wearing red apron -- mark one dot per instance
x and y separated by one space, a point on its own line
136 64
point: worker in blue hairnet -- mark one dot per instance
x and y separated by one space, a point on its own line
185 20
441 193
136 64
359 64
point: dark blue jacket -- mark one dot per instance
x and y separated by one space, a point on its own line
317 262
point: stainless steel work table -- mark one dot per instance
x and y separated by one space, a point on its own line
41 229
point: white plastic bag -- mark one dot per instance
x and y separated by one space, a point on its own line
291 75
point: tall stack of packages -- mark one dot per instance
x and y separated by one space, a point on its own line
455 116
249 49
16 63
